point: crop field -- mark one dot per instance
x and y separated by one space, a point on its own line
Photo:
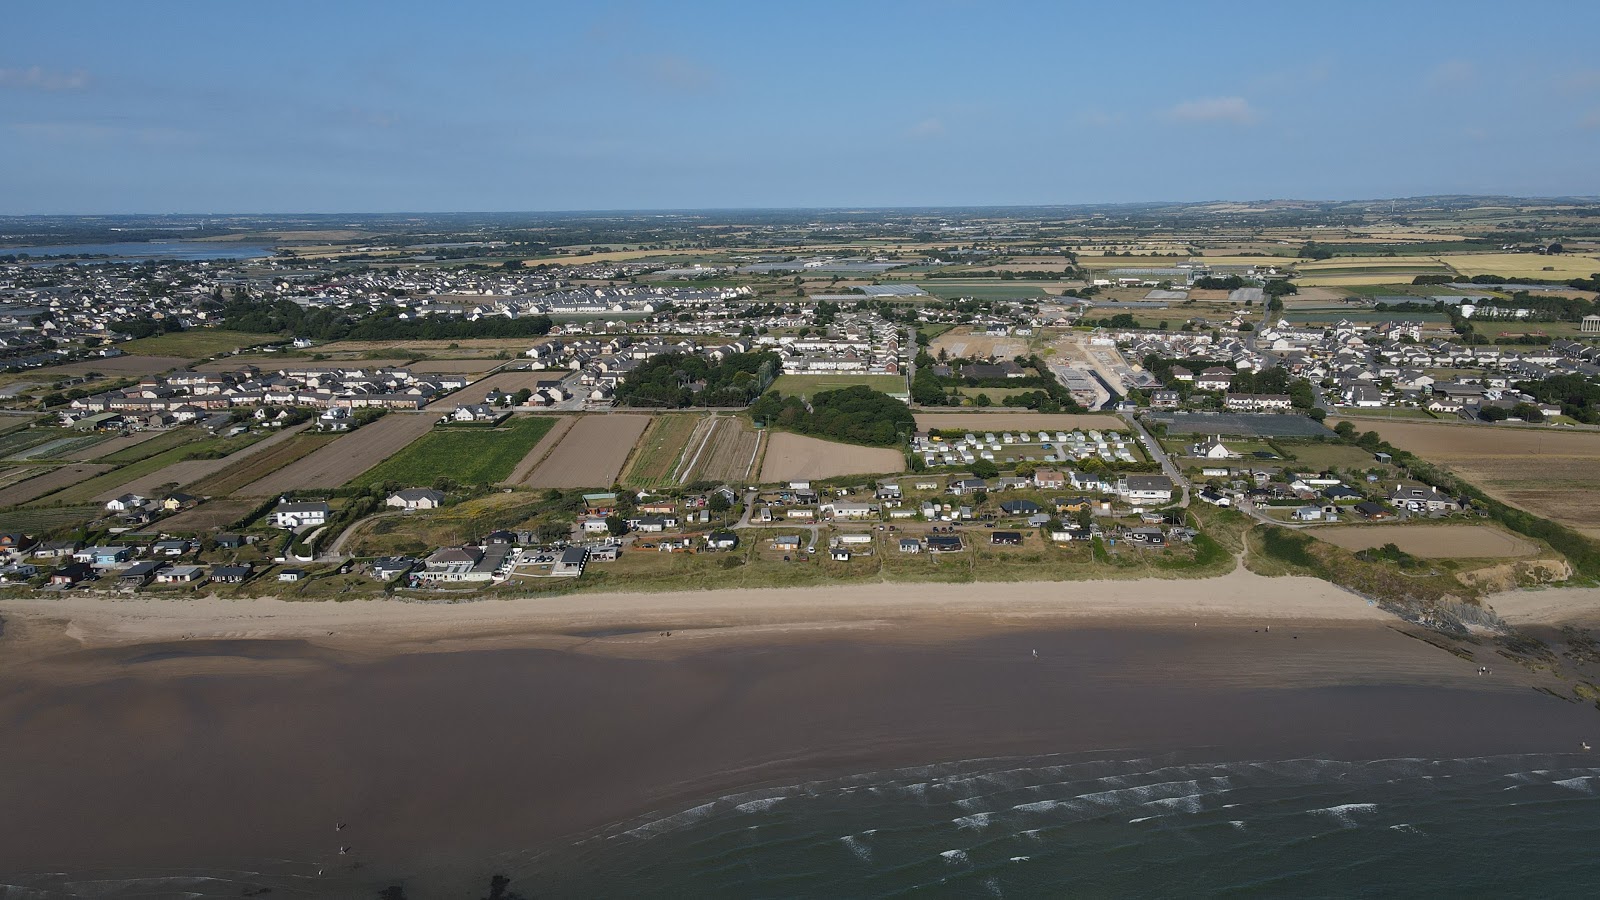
727 452
116 481
188 471
25 442
1526 265
510 382
655 461
794 457
157 442
48 483
592 453
1548 472
260 464
807 385
212 515
1431 541
38 521
196 343
1011 421
336 463
64 447
466 455
529 462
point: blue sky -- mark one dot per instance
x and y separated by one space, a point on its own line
354 107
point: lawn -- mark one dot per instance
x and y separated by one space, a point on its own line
196 343
466 455
807 385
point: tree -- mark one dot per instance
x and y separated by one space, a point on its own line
984 468
616 526
1346 430
1527 412
1493 414
720 503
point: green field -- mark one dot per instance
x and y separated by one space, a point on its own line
86 491
806 385
465 455
40 521
659 450
196 343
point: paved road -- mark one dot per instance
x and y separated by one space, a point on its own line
1153 446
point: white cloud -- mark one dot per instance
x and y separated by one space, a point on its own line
1450 74
36 78
1232 110
927 128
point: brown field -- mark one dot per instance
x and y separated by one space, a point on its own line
510 382
1547 472
729 455
260 465
793 457
213 515
592 453
50 482
116 365
188 471
1012 420
333 464
542 449
108 447
964 343
1432 541
454 366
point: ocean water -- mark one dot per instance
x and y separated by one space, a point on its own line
1096 824
1102 825
143 251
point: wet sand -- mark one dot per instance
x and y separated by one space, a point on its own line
174 755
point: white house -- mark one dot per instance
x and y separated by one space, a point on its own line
299 515
416 498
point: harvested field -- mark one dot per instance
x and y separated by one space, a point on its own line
116 365
1547 472
1013 420
189 471
469 455
50 482
727 454
1432 541
660 449
344 459
540 450
212 515
592 453
510 382
114 445
455 366
794 457
259 465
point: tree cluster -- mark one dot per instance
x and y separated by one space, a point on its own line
856 414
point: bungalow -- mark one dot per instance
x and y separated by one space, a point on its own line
1019 507
804 513
658 507
169 548
1373 511
103 557
416 498
722 540
230 541
595 525
126 503
1214 498
1149 537
786 542
475 413
16 573
944 543
570 563
967 485
910 545
1212 449
298 515
181 575
1419 498
291 575
176 501
853 510
1070 504
389 568
839 554
57 549
138 575
654 524
231 574
1307 514
71 574
14 540
1049 480
1009 538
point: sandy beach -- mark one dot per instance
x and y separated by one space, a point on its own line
454 735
